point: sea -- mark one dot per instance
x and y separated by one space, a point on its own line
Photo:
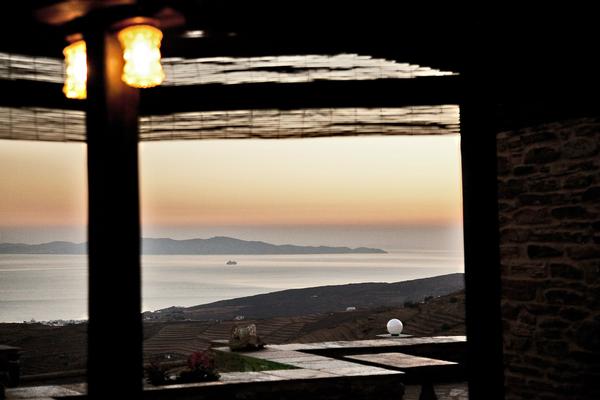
54 287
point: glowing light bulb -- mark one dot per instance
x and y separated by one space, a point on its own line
76 70
141 51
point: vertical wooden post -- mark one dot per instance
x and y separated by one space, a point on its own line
480 210
115 327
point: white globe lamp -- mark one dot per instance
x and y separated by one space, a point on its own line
394 327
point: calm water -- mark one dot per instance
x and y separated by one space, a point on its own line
46 287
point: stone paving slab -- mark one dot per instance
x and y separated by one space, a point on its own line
399 360
325 365
276 355
247 377
38 392
256 353
78 387
183 385
300 374
314 366
295 346
364 371
376 343
10 397
304 358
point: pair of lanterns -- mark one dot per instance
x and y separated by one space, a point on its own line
141 52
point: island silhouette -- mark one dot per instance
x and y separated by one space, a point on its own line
213 246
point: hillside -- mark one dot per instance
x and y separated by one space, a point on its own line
316 300
43 248
49 349
219 245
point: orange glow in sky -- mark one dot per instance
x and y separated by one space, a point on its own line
353 180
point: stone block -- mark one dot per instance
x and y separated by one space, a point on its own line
538 137
553 328
526 317
565 271
510 188
514 235
573 314
585 166
525 370
532 216
510 311
533 271
578 182
244 338
543 185
503 165
509 251
542 155
592 194
592 272
519 290
530 199
522 330
563 296
538 251
552 348
580 148
542 308
570 212
553 235
587 335
523 170
518 343
584 252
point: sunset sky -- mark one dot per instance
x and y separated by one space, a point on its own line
204 188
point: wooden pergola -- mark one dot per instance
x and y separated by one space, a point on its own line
498 74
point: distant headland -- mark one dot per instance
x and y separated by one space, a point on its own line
219 245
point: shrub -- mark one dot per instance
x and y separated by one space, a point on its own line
156 374
410 304
200 368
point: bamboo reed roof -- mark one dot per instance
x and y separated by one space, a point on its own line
233 78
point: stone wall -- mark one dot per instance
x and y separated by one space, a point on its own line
549 200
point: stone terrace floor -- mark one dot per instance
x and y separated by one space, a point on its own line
315 366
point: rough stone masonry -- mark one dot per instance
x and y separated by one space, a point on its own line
549 214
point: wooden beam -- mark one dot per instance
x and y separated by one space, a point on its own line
24 93
115 326
271 95
317 94
517 110
485 369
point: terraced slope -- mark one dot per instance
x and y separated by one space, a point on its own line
438 316
317 300
53 349
178 338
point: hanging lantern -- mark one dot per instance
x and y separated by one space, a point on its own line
76 70
141 52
